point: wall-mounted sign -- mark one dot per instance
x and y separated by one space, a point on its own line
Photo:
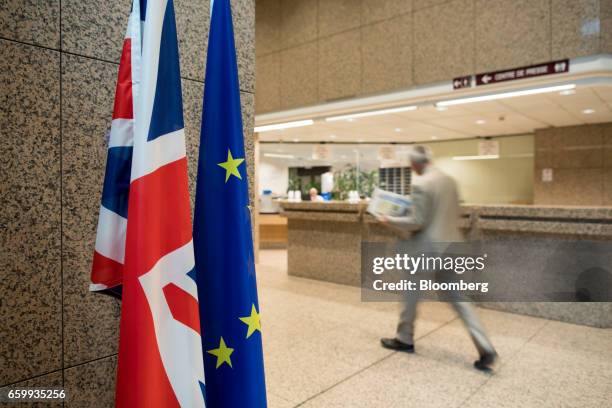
547 68
462 82
488 148
321 152
386 153
547 175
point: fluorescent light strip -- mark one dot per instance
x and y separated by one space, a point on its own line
280 156
371 113
480 157
505 95
286 125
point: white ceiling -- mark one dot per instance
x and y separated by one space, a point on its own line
517 115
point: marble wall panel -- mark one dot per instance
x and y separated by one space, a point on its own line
575 28
336 16
298 75
311 242
93 28
192 25
267 21
578 186
90 319
443 41
579 157
578 147
193 92
606 130
243 12
268 89
387 55
339 61
31 21
30 220
298 22
421 4
511 33
605 26
607 186
91 384
544 141
376 10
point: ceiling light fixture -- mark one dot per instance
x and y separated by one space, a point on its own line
588 111
352 116
481 122
505 95
286 125
280 156
567 92
398 130
480 157
441 108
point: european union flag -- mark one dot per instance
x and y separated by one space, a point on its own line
225 269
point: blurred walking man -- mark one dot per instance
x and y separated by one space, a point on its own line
434 218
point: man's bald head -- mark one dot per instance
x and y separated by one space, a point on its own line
420 158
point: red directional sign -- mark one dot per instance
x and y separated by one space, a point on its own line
547 68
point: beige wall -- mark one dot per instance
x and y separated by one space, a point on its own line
311 51
506 180
59 63
581 160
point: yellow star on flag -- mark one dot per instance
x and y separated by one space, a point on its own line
231 166
252 321
222 353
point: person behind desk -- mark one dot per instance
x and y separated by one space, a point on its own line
314 195
434 219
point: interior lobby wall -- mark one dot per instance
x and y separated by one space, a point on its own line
507 179
273 175
59 62
312 51
580 158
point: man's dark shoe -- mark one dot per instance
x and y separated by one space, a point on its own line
485 362
395 344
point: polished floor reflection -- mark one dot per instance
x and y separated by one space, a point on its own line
321 348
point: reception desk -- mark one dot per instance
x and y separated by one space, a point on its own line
324 243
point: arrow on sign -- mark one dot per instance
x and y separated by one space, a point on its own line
486 78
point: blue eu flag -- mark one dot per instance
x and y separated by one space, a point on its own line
225 269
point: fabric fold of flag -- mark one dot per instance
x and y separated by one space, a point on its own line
160 350
225 269
109 252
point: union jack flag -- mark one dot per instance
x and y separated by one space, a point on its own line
109 252
160 352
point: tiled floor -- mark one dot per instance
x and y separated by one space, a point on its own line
322 349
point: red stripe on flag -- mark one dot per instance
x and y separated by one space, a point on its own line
106 271
159 223
141 377
159 217
183 306
123 108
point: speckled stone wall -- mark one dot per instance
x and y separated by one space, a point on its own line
581 161
312 51
59 61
